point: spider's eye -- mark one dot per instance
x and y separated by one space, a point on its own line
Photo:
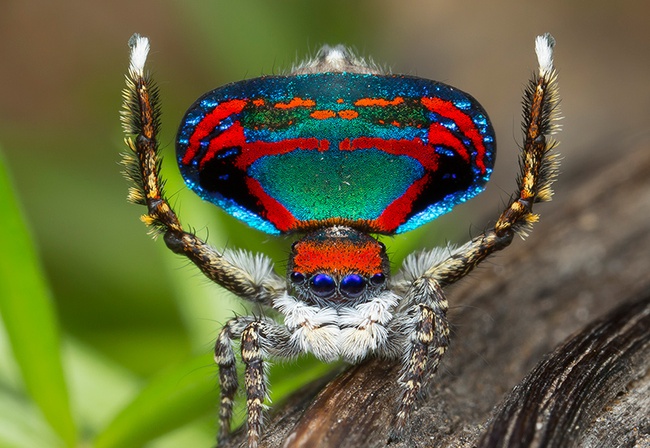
297 278
353 285
377 279
323 285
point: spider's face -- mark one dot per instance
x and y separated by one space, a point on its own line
337 266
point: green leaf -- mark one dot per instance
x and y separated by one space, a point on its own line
99 388
29 317
171 400
22 424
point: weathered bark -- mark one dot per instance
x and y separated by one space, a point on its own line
585 269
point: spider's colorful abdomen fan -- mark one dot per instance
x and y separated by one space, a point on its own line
378 152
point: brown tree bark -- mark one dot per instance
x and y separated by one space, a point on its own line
550 340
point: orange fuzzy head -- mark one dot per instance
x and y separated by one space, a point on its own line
337 263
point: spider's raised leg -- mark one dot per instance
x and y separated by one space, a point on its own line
538 171
249 277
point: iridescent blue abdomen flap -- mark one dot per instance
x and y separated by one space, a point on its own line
378 152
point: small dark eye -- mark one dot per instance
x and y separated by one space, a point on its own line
353 285
323 285
377 279
297 278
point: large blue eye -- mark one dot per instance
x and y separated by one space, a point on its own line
323 285
353 285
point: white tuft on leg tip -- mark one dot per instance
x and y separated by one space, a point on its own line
139 51
544 48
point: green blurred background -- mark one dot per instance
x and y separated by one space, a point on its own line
136 322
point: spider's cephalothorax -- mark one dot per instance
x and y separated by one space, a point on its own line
336 151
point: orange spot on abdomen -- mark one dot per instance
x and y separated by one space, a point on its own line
322 114
295 102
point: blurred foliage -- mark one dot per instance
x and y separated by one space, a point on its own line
106 336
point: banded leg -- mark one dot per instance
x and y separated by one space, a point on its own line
255 380
259 338
427 341
224 357
250 278
538 171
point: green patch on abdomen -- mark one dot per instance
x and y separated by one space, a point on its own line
356 185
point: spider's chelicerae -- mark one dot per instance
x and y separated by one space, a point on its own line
336 151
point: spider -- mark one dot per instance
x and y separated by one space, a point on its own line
336 152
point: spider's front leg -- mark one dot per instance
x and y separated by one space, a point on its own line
426 331
538 170
259 338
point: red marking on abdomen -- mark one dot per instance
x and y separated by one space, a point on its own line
209 123
232 137
275 212
464 122
251 151
440 135
395 214
415 149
